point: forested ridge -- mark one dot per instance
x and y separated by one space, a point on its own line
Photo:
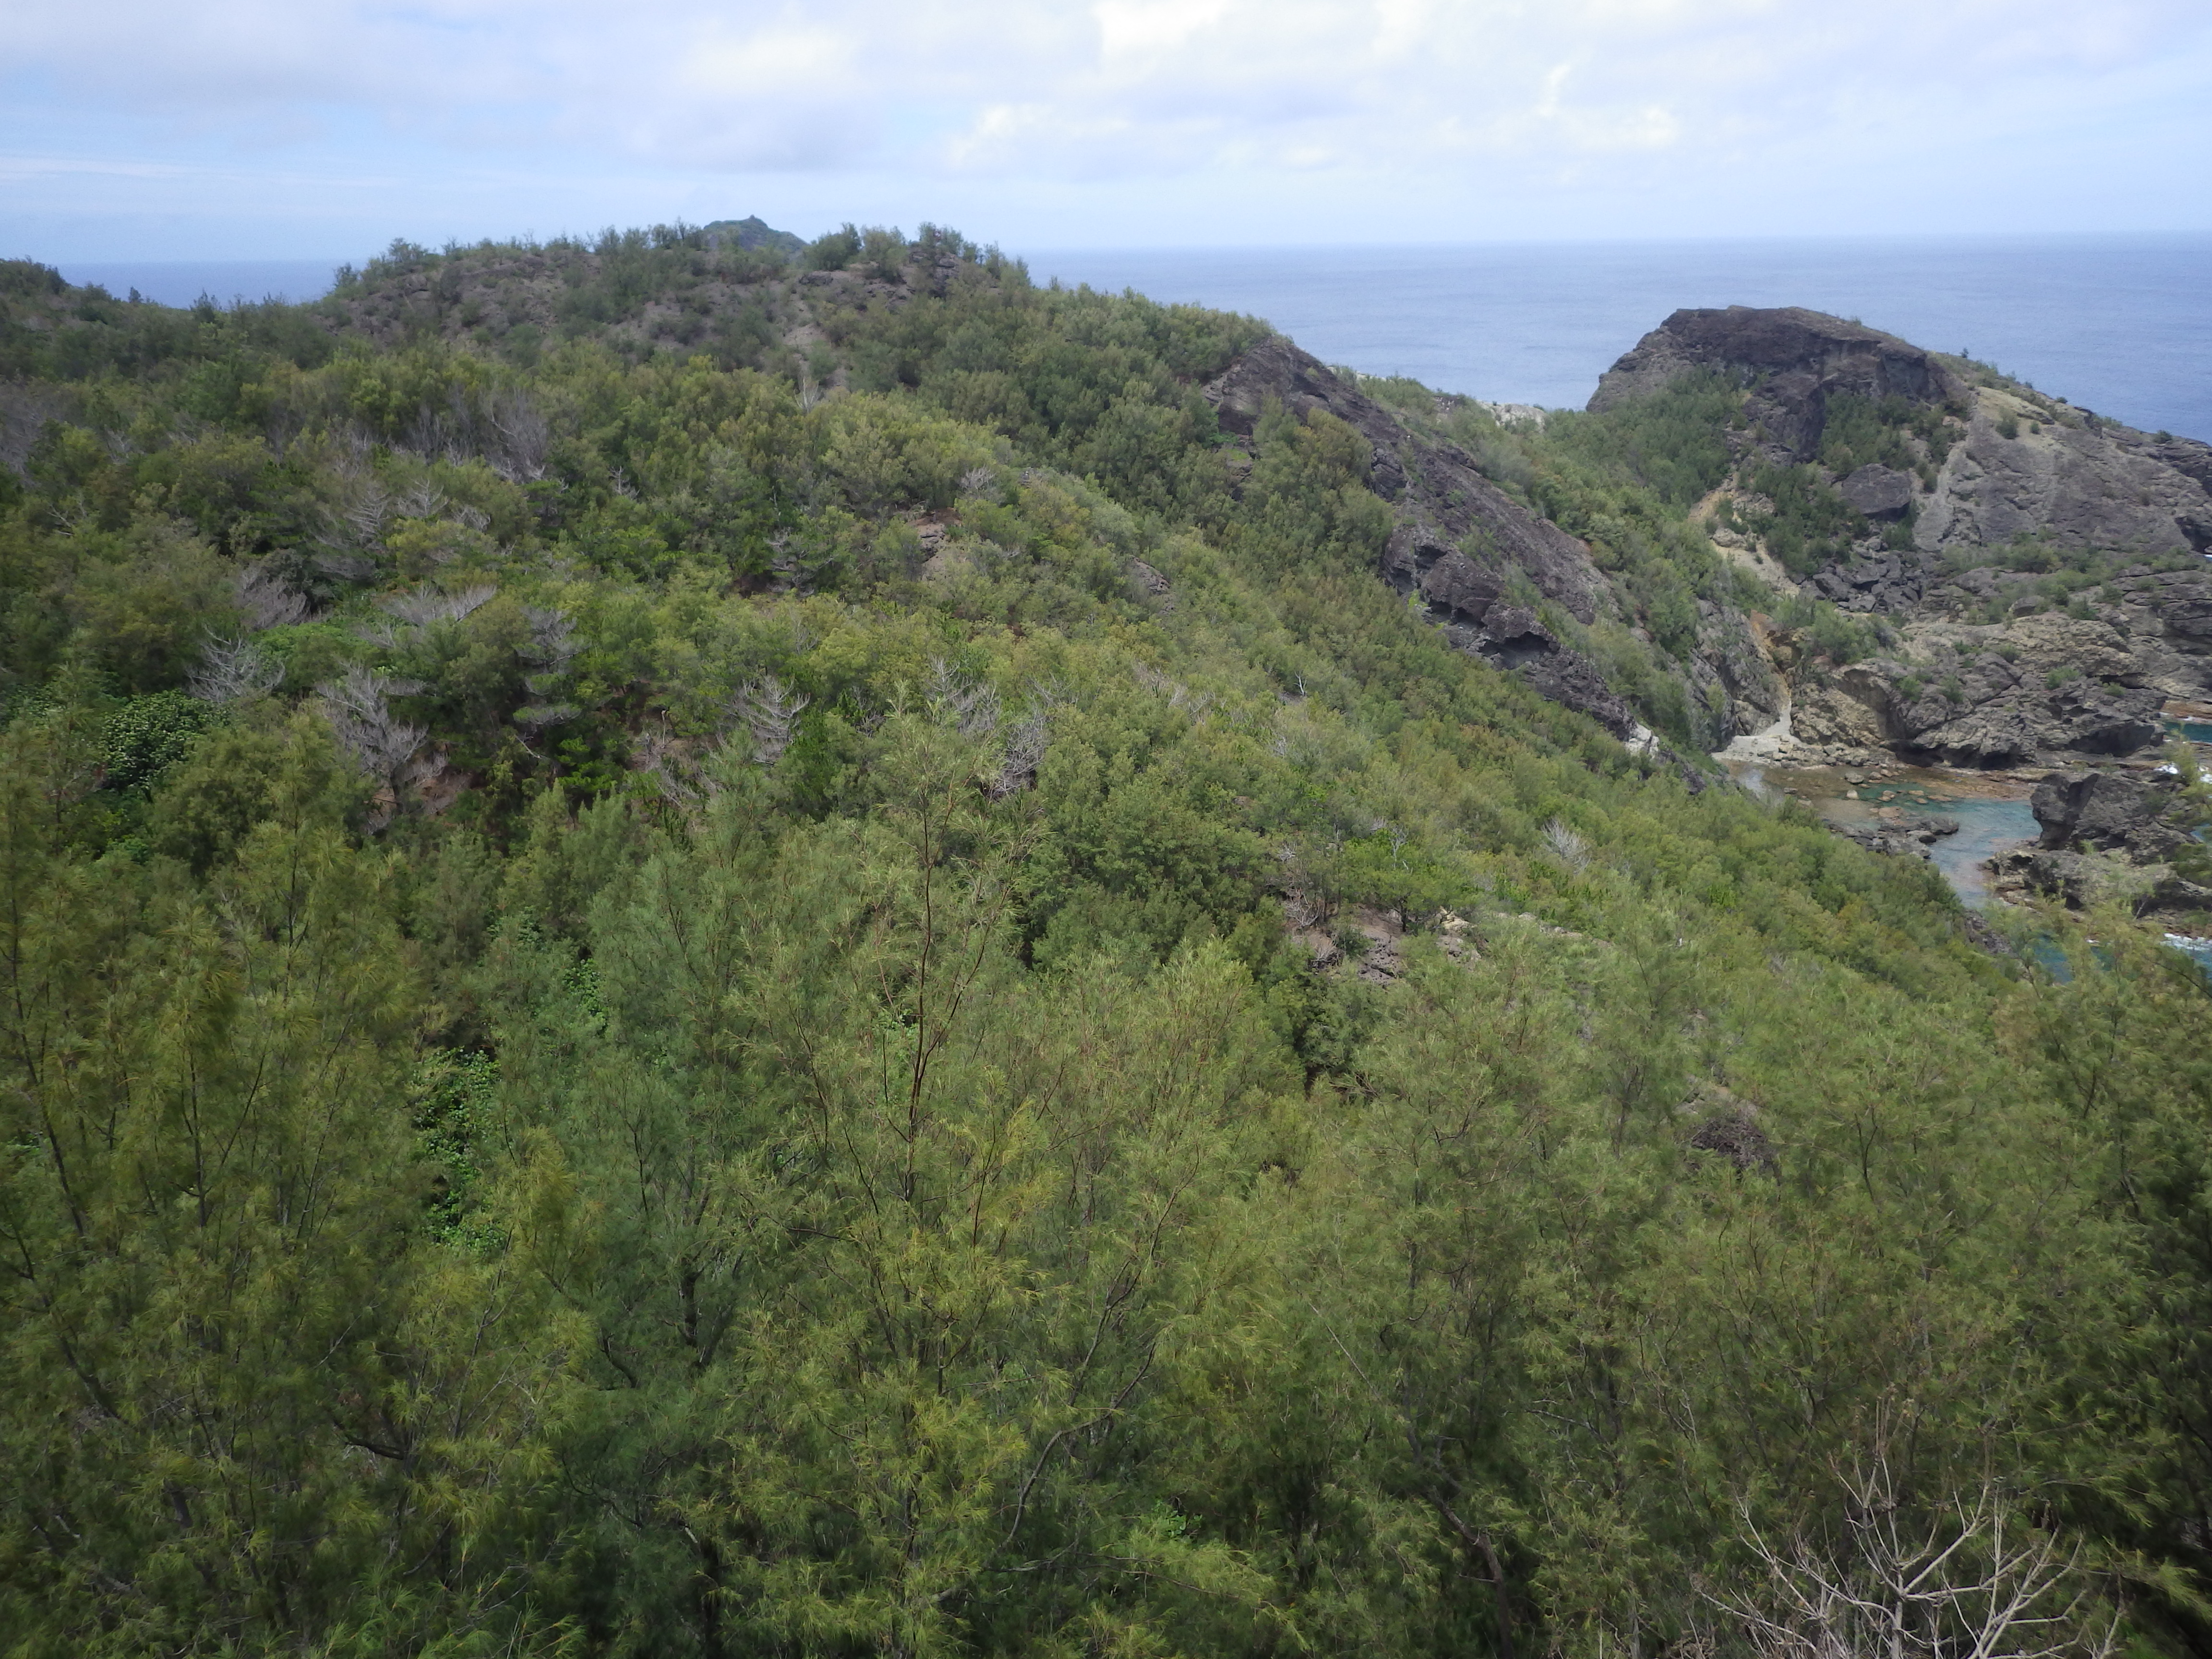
711 953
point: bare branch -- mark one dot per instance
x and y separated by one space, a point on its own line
385 747
426 605
1569 847
769 712
232 670
1025 747
267 599
1969 1580
972 708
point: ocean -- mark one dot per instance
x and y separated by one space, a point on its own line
181 281
2122 325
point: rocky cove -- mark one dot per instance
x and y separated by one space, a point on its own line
2084 837
1960 617
1959 821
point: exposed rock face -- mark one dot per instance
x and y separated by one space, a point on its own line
1511 637
2108 837
2101 811
2068 480
1460 541
1878 491
2080 880
1797 360
1989 709
1987 673
2028 465
1967 685
1909 839
1885 583
1443 502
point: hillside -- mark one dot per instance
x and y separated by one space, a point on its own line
715 949
2006 536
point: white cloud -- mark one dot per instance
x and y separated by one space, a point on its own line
1624 95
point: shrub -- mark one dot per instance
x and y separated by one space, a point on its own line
144 738
835 251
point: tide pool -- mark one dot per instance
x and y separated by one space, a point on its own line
1987 823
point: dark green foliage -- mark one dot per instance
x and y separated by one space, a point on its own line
1674 441
1810 524
834 249
759 1048
147 736
1893 431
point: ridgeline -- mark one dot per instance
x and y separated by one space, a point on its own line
717 947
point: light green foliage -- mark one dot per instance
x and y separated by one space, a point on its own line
767 1086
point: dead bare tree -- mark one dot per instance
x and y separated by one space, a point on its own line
1567 846
1971 1579
1025 747
357 705
553 642
523 438
267 599
769 712
233 669
970 707
365 515
426 605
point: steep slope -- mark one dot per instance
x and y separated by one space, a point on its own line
922 993
2040 565
1508 583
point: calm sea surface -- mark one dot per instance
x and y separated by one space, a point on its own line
2121 325
178 282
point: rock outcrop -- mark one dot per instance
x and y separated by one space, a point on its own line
1443 502
1792 361
2104 812
2110 838
2032 468
2000 662
1912 838
1459 540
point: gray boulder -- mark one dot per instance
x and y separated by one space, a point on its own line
1879 492
2104 812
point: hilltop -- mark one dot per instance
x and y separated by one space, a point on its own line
710 949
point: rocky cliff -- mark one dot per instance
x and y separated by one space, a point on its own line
2107 838
1793 362
2040 567
1459 540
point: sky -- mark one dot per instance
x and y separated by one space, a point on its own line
300 129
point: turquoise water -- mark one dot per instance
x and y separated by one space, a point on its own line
2198 950
1985 827
2194 731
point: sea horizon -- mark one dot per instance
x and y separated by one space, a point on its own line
2122 324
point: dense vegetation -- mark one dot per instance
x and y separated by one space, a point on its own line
818 987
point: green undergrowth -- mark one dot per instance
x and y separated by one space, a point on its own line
651 1009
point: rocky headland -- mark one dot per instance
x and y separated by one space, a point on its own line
2038 568
2032 575
2027 577
2035 572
